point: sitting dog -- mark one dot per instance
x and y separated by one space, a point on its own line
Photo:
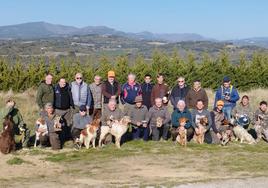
89 134
116 128
182 136
200 135
258 128
241 133
225 138
7 141
57 124
41 123
159 122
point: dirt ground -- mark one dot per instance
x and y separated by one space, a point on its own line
152 170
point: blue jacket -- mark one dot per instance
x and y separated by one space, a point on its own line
176 115
222 92
129 93
81 94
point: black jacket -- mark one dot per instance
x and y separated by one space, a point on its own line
109 90
63 97
146 94
177 94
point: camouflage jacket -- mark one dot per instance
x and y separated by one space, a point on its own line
263 117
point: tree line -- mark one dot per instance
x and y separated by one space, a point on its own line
247 73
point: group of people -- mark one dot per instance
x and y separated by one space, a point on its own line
78 103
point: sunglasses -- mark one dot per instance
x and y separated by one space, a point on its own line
79 78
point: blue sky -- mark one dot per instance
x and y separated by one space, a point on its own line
220 19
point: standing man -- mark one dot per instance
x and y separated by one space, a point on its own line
45 92
146 89
111 89
229 95
179 92
63 101
80 92
160 90
95 89
130 91
194 94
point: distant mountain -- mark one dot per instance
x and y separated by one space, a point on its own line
45 30
255 41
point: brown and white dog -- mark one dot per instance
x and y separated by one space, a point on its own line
116 128
182 136
202 127
7 141
41 123
89 134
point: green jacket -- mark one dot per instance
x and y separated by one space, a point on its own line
45 94
15 116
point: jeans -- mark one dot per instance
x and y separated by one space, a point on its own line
140 132
227 110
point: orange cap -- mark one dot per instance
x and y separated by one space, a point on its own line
220 103
111 74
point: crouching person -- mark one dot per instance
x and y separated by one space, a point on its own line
138 115
20 131
181 112
202 122
54 124
261 121
80 120
218 127
159 119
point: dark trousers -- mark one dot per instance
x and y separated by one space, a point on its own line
140 132
175 133
160 131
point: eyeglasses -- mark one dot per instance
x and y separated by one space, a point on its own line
78 78
181 81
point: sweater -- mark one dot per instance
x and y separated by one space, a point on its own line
45 94
196 115
80 122
192 97
137 114
177 114
158 91
156 112
96 94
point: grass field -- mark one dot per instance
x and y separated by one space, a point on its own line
136 164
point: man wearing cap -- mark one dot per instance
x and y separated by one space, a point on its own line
179 92
137 114
80 120
195 93
111 89
130 91
217 117
95 89
80 92
228 93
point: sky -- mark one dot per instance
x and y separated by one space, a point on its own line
218 19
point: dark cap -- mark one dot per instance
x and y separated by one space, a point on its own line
226 79
83 108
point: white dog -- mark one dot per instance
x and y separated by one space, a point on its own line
41 123
242 134
89 134
116 128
